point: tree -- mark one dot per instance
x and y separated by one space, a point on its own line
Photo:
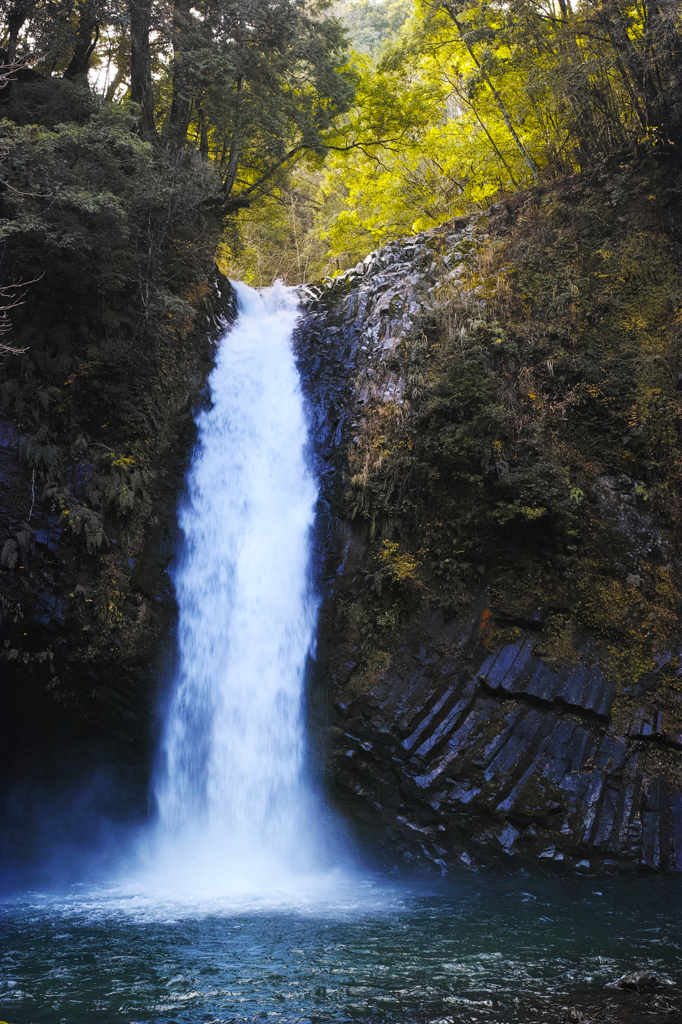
17 15
486 94
141 90
253 85
87 36
467 39
176 124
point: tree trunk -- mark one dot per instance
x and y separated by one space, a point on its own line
177 122
19 12
86 40
203 133
141 90
235 144
112 88
532 166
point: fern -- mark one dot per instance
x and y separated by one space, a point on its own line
39 456
120 488
88 522
50 457
10 554
126 500
8 392
29 449
80 519
24 538
94 529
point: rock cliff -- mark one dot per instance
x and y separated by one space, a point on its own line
110 299
524 713
496 410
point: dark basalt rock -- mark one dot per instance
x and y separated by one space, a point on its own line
636 981
461 767
464 753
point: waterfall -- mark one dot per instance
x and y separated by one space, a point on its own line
231 791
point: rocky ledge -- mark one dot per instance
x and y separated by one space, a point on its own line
497 759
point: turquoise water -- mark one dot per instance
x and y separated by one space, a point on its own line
475 949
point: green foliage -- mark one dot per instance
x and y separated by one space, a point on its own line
442 105
109 598
252 87
118 237
83 197
276 236
399 570
10 555
366 201
17 547
484 96
372 24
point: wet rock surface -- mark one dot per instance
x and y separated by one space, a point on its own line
636 981
500 761
461 752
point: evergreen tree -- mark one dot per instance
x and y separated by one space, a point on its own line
252 85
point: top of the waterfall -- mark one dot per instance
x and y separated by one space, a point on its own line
278 299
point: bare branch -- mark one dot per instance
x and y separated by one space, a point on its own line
13 296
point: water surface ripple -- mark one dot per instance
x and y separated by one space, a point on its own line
479 949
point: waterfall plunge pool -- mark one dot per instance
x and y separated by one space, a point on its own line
495 951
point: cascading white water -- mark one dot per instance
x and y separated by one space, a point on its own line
231 793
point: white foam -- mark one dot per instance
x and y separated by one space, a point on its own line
330 896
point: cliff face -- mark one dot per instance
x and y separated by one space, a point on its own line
524 710
496 407
86 636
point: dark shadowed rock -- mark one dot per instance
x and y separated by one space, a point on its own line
636 981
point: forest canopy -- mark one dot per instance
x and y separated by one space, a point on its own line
334 127
490 95
249 85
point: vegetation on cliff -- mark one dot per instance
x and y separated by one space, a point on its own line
118 242
541 395
457 101
475 97
130 135
537 449
141 139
